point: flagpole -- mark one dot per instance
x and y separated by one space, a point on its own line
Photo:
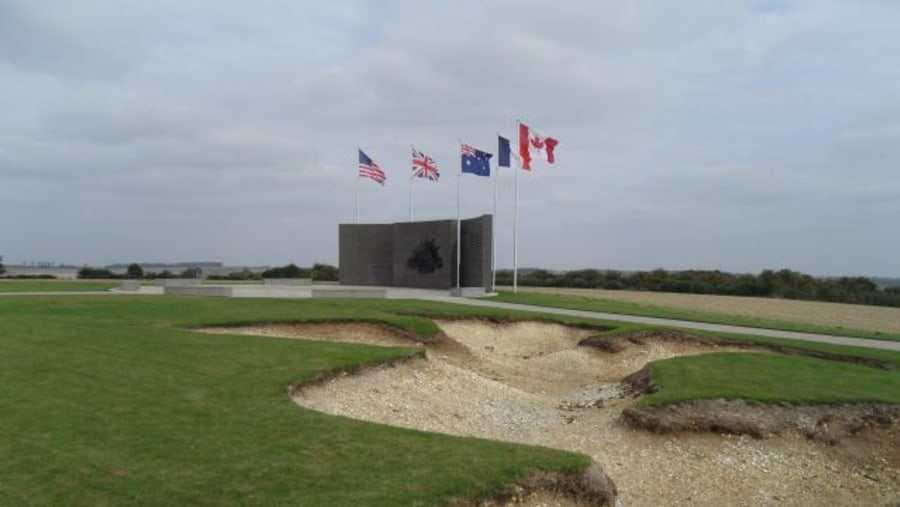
494 225
516 222
358 149
494 236
458 225
516 238
411 178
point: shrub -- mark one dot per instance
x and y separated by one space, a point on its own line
95 273
324 272
289 271
135 271
244 274
191 273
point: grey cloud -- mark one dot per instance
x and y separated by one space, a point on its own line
53 39
697 134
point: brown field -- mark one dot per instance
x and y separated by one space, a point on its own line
872 318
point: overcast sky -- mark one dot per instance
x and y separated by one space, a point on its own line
692 134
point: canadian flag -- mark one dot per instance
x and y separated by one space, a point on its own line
530 142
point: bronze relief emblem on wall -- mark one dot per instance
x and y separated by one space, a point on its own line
426 258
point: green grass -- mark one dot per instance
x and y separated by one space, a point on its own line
769 378
55 285
628 308
112 400
107 401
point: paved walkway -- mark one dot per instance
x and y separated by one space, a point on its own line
444 297
774 333
260 291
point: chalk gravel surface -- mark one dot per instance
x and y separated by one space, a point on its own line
529 383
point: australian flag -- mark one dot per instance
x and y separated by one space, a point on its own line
475 161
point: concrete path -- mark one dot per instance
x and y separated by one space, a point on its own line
774 333
260 291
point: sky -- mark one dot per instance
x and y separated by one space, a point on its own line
697 134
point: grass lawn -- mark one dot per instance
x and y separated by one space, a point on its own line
628 308
770 379
107 400
112 400
12 285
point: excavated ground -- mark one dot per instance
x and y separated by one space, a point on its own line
531 383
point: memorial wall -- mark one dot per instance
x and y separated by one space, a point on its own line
416 254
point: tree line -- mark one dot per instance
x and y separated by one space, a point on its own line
136 272
319 272
784 283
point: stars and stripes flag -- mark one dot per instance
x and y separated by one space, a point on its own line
369 169
424 166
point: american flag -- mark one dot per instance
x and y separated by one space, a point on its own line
369 169
424 166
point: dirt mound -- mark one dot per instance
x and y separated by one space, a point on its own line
592 487
350 332
532 383
823 423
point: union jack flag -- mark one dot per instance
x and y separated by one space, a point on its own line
424 166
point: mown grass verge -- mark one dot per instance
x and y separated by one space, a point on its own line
12 285
769 378
111 401
627 308
799 373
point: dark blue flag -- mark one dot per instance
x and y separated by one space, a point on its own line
503 152
475 161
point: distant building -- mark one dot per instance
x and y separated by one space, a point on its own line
42 269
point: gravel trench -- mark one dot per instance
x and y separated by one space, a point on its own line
530 383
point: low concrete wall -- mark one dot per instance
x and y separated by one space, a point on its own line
209 290
355 292
287 281
468 292
178 282
131 285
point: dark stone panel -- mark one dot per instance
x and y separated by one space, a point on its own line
425 254
366 254
476 246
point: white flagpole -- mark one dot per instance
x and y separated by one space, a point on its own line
516 218
411 178
458 225
494 223
516 238
357 184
